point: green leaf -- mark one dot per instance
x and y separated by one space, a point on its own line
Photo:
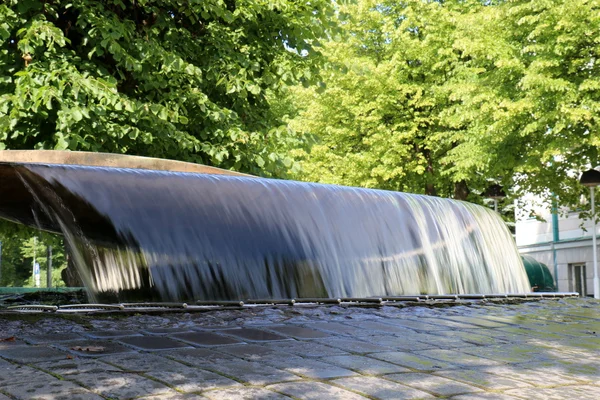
76 114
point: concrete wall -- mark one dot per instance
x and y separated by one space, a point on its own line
567 253
532 231
534 237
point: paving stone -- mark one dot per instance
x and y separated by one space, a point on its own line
447 322
305 348
314 391
583 345
456 357
534 377
253 334
480 322
505 319
407 343
414 361
484 396
501 335
55 390
205 338
517 353
32 354
93 348
251 372
244 393
122 385
564 330
298 332
442 341
414 325
174 396
565 349
311 368
557 351
111 334
582 369
51 338
560 393
365 365
355 346
479 339
546 349
374 328
253 352
10 342
166 331
76 366
433 384
17 374
288 362
177 375
337 328
483 379
538 333
381 389
140 362
204 327
199 356
151 343
188 379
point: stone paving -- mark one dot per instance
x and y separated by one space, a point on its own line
548 349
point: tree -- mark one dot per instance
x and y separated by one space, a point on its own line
377 116
18 248
444 97
532 119
179 79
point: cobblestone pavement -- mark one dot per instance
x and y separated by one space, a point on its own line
543 349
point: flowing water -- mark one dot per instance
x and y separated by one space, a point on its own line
161 235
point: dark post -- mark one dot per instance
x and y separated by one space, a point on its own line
49 263
0 263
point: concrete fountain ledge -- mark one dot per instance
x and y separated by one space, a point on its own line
108 160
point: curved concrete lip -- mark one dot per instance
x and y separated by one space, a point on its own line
108 160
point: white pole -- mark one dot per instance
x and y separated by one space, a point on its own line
33 266
594 248
495 205
36 269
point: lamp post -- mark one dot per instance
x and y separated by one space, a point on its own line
591 179
495 192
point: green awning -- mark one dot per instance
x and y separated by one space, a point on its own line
539 275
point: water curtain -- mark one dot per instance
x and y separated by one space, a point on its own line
156 235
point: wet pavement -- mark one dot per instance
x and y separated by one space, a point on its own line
475 350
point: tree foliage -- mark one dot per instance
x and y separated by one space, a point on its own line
194 80
181 79
19 245
532 119
444 97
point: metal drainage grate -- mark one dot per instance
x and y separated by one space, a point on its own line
212 305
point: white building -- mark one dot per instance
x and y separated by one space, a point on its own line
562 242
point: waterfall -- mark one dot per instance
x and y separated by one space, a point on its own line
143 234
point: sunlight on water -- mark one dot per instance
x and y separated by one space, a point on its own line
178 236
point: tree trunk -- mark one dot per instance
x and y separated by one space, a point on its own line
461 190
430 189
